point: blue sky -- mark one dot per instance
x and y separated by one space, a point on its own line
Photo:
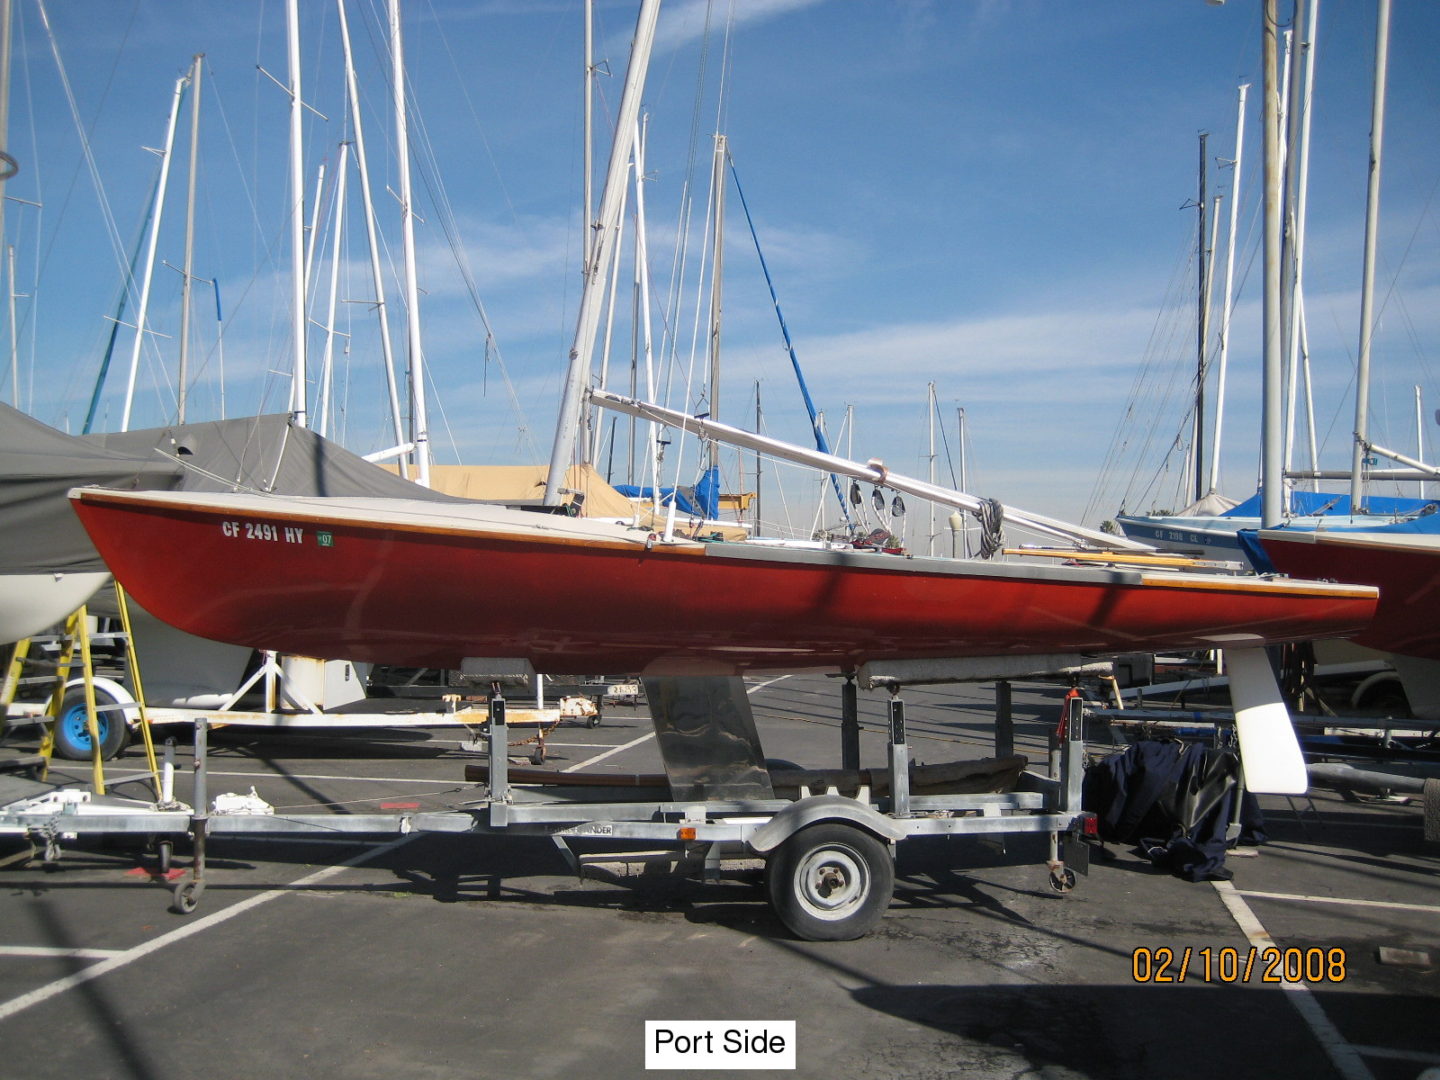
986 195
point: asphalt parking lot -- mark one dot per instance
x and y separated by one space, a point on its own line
485 956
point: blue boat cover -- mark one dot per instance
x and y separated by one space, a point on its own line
1318 503
702 500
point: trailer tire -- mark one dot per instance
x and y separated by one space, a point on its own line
186 897
72 733
830 882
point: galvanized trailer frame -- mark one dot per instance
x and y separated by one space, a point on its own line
829 857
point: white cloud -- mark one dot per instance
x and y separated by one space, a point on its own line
687 20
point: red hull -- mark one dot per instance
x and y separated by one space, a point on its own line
406 587
1404 566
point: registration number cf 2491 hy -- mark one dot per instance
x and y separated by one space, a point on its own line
264 530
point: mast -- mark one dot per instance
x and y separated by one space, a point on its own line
186 276
1226 305
567 427
1367 288
1272 383
14 330
1419 433
717 275
1297 358
327 364
419 434
759 417
588 155
611 295
7 163
964 529
148 276
587 158
930 408
298 322
642 297
377 278
1202 333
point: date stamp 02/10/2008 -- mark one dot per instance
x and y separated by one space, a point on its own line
1166 965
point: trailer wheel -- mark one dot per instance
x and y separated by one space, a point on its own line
1062 880
830 882
72 733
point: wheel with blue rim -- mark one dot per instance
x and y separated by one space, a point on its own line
72 731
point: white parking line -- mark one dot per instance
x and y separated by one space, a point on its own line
129 956
1393 905
767 682
1343 1056
608 753
48 951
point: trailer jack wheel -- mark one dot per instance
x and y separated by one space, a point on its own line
1062 879
830 882
187 896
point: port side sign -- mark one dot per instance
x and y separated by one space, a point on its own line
720 1044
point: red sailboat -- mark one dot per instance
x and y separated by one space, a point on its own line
412 583
1403 564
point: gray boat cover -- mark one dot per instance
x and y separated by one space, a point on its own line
39 533
263 453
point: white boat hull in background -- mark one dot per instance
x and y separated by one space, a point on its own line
30 604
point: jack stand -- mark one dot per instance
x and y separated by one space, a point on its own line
187 893
1067 764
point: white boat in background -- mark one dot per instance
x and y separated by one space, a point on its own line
48 567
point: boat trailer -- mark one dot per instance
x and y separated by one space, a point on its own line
829 856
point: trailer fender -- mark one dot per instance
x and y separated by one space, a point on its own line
819 808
